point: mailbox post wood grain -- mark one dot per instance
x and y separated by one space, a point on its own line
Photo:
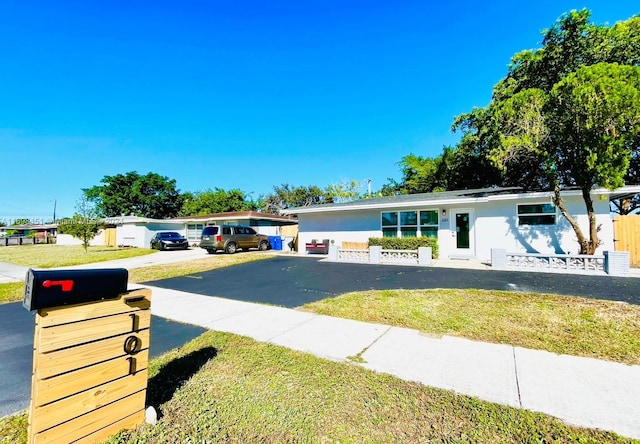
90 369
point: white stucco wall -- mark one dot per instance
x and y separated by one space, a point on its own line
495 225
67 239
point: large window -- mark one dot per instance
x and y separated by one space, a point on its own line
410 223
536 214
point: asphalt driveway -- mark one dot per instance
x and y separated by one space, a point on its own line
291 282
295 281
16 351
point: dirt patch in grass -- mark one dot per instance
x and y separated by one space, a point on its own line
559 324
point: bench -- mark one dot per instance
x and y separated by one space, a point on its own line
315 247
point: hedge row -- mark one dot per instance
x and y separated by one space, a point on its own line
405 243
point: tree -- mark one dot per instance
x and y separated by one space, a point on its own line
287 196
150 195
461 167
84 224
215 201
343 192
569 111
582 130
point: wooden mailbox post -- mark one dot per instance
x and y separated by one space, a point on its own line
89 366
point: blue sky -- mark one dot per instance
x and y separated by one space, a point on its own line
244 94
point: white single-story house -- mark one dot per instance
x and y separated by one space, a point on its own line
134 231
467 223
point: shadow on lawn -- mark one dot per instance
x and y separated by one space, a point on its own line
170 377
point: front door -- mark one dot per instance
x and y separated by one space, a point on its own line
463 232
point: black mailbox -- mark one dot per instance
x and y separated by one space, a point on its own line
54 288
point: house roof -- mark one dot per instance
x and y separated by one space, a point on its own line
446 198
239 215
233 215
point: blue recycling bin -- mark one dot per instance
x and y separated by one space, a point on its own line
276 242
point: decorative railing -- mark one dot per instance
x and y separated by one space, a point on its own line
564 262
353 255
399 256
376 255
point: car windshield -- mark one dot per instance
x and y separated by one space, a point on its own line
170 235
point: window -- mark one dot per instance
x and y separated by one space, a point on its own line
390 224
194 231
410 223
536 214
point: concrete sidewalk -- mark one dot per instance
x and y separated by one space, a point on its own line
581 391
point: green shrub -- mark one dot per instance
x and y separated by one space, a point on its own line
405 243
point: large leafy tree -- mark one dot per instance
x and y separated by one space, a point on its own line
216 201
151 195
569 113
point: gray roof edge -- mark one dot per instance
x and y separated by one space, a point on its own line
449 198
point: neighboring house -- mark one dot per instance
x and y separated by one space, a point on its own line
133 231
37 230
467 223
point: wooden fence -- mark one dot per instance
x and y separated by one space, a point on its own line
626 236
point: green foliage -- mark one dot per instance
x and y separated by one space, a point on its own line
23 221
405 243
215 201
566 114
343 192
84 225
150 195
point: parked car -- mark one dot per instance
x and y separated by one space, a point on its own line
230 238
169 240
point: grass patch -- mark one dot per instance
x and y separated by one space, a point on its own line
49 256
226 388
14 291
210 262
559 324
11 292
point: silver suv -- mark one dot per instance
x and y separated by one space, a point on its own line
230 238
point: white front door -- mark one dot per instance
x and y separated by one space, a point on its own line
463 232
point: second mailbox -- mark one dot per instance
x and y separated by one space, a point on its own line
54 288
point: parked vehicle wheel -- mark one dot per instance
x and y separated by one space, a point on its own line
231 248
264 246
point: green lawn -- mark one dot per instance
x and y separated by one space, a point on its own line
226 388
48 256
559 324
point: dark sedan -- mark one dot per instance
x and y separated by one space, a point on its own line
169 240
